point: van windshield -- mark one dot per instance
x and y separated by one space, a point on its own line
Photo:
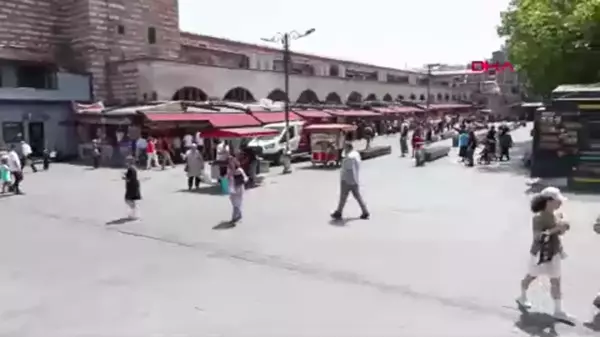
271 137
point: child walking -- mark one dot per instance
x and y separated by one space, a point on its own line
5 175
546 250
132 188
237 179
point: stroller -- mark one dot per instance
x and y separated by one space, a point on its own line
488 154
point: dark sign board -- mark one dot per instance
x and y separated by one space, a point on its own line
566 140
585 174
555 142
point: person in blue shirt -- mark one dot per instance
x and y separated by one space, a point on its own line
463 141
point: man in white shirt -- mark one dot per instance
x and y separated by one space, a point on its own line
140 150
222 151
26 152
188 141
222 156
349 183
14 165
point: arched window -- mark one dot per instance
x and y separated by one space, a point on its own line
239 94
308 96
190 94
355 97
333 98
277 95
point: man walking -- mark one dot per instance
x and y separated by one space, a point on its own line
14 165
349 182
27 153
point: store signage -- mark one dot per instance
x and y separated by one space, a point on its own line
486 67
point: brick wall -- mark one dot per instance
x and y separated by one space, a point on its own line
124 82
27 30
118 30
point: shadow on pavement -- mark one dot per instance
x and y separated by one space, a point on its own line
209 190
594 324
537 324
320 167
120 221
223 225
343 221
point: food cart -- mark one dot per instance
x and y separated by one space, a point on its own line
237 138
327 142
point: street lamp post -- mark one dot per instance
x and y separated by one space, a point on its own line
429 68
284 39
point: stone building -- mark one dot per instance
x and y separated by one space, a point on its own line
133 50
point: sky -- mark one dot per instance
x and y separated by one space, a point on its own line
390 33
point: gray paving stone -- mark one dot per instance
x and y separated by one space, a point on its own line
441 256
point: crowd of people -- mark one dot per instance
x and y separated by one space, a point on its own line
12 162
496 145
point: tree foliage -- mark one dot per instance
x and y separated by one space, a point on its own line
553 42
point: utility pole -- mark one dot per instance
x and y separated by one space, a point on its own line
284 39
429 69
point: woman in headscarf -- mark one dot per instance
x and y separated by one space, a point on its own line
194 166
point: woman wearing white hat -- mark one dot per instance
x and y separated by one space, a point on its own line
546 250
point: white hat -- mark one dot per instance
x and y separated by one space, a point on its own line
554 193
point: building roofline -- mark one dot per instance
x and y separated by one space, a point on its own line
312 56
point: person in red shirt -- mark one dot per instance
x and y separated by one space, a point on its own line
164 149
417 141
151 154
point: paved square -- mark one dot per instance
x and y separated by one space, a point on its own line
442 256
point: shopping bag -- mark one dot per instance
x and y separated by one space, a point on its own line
224 182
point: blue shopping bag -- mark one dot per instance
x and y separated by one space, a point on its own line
224 182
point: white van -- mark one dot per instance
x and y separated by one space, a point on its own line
273 147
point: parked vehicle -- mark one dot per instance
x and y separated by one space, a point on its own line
327 142
272 148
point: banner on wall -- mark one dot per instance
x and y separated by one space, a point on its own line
97 107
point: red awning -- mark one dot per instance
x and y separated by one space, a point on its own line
331 127
405 109
267 117
217 120
174 117
447 106
239 133
385 111
352 113
312 114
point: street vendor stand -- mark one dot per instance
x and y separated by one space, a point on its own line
236 139
327 142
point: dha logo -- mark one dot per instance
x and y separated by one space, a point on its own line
486 67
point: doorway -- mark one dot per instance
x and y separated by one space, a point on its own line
37 138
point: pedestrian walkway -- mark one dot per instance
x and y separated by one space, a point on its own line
442 255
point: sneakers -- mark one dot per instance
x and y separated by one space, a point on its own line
337 215
523 303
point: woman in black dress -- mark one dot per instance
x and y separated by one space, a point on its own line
132 188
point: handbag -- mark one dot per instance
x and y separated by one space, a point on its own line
238 180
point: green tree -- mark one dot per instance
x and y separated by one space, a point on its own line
553 42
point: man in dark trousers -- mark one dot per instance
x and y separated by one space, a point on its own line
349 183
